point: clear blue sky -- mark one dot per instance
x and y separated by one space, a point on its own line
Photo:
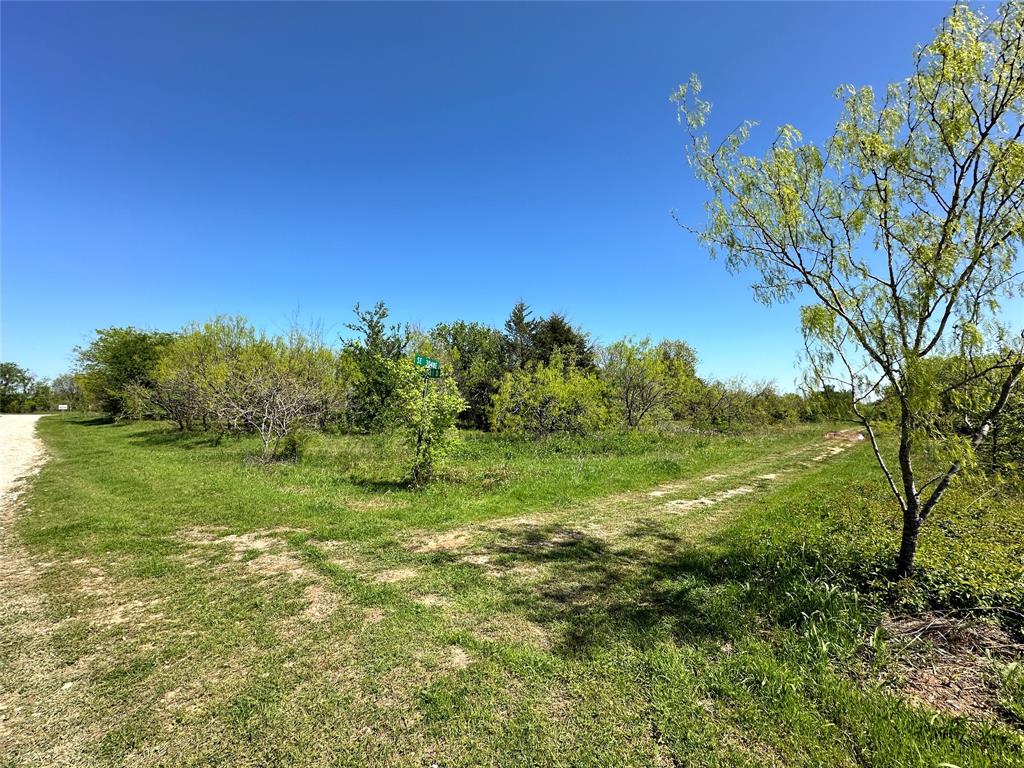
168 162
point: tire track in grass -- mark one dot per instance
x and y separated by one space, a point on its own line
690 508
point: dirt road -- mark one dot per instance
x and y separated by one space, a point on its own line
20 452
22 624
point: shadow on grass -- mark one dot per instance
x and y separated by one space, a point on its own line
777 610
172 437
92 421
377 485
650 584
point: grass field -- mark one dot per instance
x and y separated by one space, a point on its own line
622 601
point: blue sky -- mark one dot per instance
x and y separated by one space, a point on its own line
168 162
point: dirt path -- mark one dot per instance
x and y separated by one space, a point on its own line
20 452
27 676
691 508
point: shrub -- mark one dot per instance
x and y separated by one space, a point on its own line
116 363
648 379
226 374
426 413
549 398
273 387
294 445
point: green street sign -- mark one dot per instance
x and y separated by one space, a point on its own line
433 373
429 363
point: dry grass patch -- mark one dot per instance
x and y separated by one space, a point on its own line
433 601
321 603
450 541
849 435
263 552
949 663
373 503
456 657
685 505
394 575
513 630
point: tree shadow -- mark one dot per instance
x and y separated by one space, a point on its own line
649 584
93 421
176 438
377 485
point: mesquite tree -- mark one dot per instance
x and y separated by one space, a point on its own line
905 226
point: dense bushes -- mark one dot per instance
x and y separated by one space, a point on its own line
474 355
227 375
545 398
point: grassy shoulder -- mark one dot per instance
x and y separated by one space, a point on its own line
628 601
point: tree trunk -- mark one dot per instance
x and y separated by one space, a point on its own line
908 544
911 508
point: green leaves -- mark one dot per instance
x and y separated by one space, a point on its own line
546 398
425 411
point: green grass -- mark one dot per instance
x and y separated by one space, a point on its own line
537 607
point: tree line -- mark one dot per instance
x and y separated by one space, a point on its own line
534 376
23 392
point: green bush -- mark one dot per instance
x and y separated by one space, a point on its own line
426 410
552 398
116 362
371 357
294 445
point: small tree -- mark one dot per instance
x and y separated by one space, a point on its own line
118 361
905 227
274 387
426 413
638 374
518 338
376 346
174 393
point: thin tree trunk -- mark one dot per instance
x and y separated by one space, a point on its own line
908 542
911 509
